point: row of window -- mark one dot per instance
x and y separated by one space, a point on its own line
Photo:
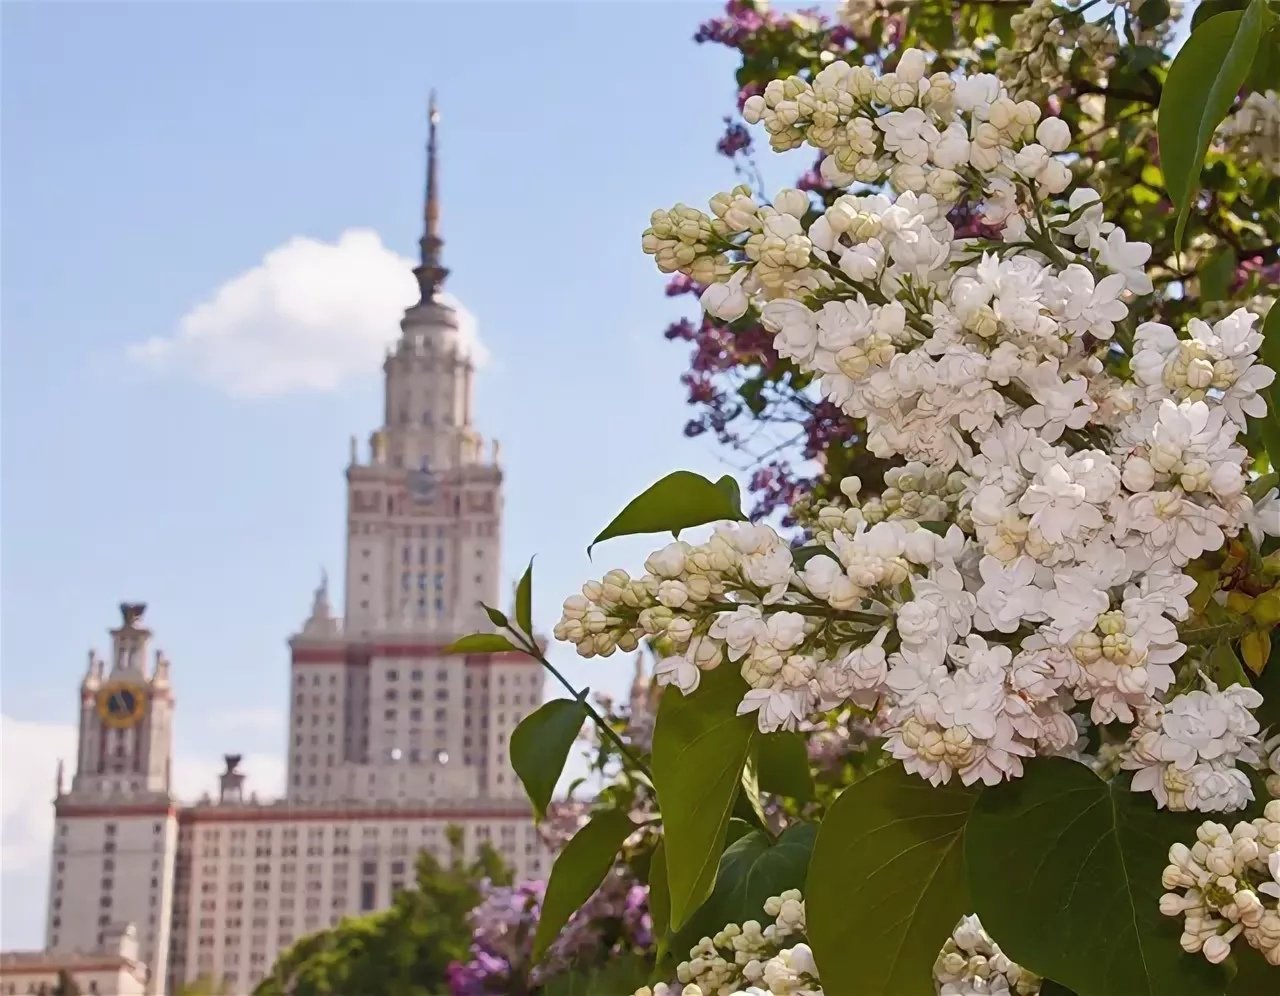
406 556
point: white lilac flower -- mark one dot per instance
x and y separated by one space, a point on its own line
1186 752
1226 885
1028 560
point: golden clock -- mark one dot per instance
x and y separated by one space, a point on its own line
122 705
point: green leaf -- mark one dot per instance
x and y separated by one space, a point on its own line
1264 74
1098 849
1252 975
752 869
1153 12
1216 273
480 643
496 617
1270 355
1202 82
1268 685
728 487
578 872
659 900
524 600
1211 8
678 501
747 806
1223 666
700 747
887 883
782 765
540 745
803 554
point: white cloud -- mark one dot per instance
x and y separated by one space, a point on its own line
28 754
26 788
310 316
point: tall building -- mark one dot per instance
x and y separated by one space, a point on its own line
390 741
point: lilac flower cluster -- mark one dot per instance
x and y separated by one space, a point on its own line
614 921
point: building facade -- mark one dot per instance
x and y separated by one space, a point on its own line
390 740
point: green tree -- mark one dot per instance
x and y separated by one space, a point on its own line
401 951
66 985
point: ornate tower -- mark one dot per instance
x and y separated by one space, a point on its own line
423 512
115 831
126 717
378 712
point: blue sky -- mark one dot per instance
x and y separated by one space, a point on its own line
152 153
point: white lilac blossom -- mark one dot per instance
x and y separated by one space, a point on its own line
746 960
1024 568
1227 885
1186 753
972 964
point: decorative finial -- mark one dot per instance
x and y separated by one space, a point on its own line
132 612
431 273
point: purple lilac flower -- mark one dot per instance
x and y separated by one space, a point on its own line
735 139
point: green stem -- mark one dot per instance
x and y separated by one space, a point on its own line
531 649
872 294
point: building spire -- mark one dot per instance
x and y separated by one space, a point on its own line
431 273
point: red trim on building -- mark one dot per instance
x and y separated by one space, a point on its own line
290 814
304 814
64 810
319 655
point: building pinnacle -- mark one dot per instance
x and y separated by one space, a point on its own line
431 273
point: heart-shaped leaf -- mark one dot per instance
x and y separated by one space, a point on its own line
752 869
782 765
887 883
1086 856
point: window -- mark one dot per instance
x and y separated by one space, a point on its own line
368 896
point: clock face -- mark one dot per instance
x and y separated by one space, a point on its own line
122 705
